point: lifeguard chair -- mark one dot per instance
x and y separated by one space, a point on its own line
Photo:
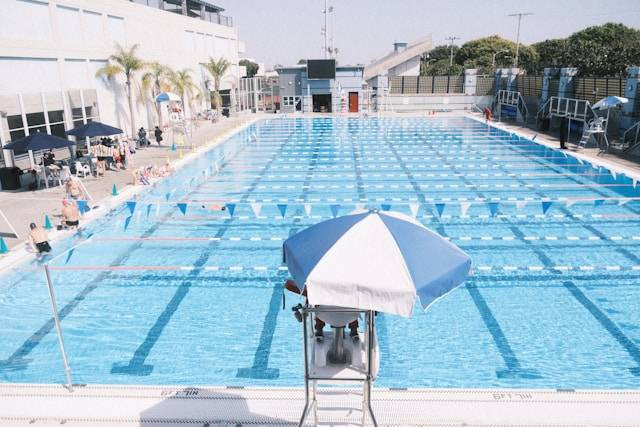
365 262
336 360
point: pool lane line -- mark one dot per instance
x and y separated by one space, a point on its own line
17 361
614 238
514 369
136 365
511 361
605 322
476 269
260 366
608 324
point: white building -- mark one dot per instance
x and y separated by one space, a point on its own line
404 60
50 51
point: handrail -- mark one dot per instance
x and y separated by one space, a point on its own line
515 98
476 107
635 128
543 108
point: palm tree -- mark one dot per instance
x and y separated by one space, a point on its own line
182 83
217 69
156 80
123 61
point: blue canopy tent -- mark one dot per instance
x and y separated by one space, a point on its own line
93 129
38 141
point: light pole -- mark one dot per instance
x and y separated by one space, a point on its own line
493 60
452 39
519 15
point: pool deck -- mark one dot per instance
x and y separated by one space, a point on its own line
24 207
50 405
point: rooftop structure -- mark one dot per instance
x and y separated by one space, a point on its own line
202 9
404 60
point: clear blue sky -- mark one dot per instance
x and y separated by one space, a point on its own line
283 31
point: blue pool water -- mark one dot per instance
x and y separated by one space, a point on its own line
554 301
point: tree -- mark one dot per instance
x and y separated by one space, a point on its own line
301 62
182 84
252 67
156 80
123 62
479 53
437 62
217 69
551 53
605 50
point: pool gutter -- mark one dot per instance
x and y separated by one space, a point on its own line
105 405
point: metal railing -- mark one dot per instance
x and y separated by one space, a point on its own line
630 137
577 109
510 97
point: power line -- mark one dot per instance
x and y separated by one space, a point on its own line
519 15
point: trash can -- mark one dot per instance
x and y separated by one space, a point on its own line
10 178
225 111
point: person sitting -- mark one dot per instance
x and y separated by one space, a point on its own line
48 158
292 286
70 215
39 239
73 188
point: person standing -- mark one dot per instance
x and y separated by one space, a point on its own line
564 131
158 134
142 137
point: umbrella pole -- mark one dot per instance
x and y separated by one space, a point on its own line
370 338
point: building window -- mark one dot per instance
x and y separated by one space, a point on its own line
56 123
16 127
36 123
174 6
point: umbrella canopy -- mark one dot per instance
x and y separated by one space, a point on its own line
375 261
38 141
609 102
167 96
92 129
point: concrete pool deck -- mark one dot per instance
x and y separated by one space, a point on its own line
25 207
93 406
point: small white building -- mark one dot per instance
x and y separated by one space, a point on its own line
50 51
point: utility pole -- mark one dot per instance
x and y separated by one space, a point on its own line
326 30
452 39
519 15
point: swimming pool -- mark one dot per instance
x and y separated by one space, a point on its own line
158 296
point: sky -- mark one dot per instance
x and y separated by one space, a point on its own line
284 31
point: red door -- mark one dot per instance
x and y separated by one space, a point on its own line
353 102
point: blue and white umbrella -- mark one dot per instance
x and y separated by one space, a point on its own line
374 261
167 96
609 102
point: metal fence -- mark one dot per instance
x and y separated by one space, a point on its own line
426 84
485 85
593 89
530 86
